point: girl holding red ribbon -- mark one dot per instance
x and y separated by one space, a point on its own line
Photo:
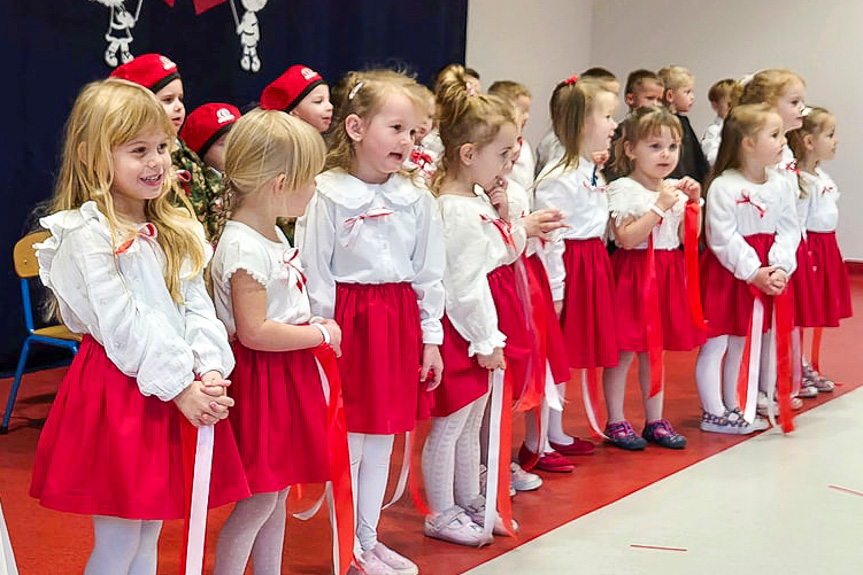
752 236
370 245
280 420
125 265
655 306
485 326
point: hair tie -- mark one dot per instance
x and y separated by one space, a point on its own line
806 111
352 94
571 80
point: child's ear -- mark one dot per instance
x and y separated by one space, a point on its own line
809 142
279 183
627 149
747 144
467 153
355 127
668 96
629 98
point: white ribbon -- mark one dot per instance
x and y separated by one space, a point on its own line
493 463
402 483
200 499
772 370
754 360
552 397
588 405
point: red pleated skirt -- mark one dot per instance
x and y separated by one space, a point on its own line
464 381
678 329
108 450
588 318
829 291
279 418
726 300
555 348
381 357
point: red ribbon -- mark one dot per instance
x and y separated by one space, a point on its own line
503 227
746 199
535 385
827 189
416 472
288 258
784 314
200 5
420 158
571 80
743 373
653 320
147 231
792 167
690 257
816 347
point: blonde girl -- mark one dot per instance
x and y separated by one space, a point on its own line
372 253
125 267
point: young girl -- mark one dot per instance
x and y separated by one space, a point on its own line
203 187
484 317
579 270
826 278
270 165
125 266
371 250
752 237
650 297
301 92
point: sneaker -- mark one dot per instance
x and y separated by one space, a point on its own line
476 511
816 380
731 423
762 404
577 447
521 480
455 526
553 462
796 403
370 564
482 481
622 435
397 563
661 433
807 391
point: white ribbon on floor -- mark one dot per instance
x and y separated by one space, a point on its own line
493 464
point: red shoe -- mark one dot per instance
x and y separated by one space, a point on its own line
552 462
577 447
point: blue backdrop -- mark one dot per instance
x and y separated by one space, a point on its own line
51 48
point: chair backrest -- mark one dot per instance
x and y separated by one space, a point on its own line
26 265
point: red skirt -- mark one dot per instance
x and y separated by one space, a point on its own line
381 357
805 283
279 419
588 316
726 300
464 381
555 347
830 289
108 450
678 329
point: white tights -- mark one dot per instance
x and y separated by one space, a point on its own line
614 385
370 469
123 546
451 457
255 527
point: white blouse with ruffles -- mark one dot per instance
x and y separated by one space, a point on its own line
627 198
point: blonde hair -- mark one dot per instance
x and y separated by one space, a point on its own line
743 121
363 94
673 77
264 144
726 87
509 90
465 119
105 115
814 123
768 85
641 124
571 103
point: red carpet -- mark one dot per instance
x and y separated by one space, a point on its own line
51 543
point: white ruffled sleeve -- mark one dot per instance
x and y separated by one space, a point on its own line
628 199
316 236
723 237
79 266
783 252
551 193
429 261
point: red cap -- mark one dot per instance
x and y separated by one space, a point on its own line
207 124
290 88
152 71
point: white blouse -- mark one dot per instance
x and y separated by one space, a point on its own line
520 204
627 198
274 265
355 232
585 210
475 243
523 169
116 292
711 140
737 208
548 152
822 201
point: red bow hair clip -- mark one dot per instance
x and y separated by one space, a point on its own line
571 80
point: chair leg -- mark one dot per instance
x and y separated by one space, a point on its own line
19 372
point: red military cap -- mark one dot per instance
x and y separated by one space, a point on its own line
152 71
207 124
288 90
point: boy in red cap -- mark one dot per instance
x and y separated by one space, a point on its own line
202 186
301 92
205 132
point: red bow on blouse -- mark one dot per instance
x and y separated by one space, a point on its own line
597 189
146 231
420 158
828 189
503 227
792 167
746 199
290 257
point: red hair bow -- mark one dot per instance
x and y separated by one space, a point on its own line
571 80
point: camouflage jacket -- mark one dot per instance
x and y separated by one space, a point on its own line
203 187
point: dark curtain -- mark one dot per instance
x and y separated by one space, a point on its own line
51 48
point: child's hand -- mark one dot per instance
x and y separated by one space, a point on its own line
601 158
214 384
199 407
432 367
541 223
558 308
779 279
690 187
494 360
762 280
335 335
499 198
667 196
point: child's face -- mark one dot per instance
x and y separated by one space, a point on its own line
316 109
494 160
767 144
791 104
426 123
383 142
171 98
522 105
648 94
682 98
722 106
655 156
215 156
140 167
824 142
599 125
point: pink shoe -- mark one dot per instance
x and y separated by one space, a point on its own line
552 462
577 447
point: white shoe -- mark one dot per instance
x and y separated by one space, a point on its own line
522 480
476 511
455 526
397 563
807 391
372 565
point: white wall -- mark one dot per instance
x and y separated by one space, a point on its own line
535 43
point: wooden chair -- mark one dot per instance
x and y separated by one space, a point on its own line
27 267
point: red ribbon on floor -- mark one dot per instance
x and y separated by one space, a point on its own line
653 320
189 444
340 459
690 257
504 504
784 314
816 347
